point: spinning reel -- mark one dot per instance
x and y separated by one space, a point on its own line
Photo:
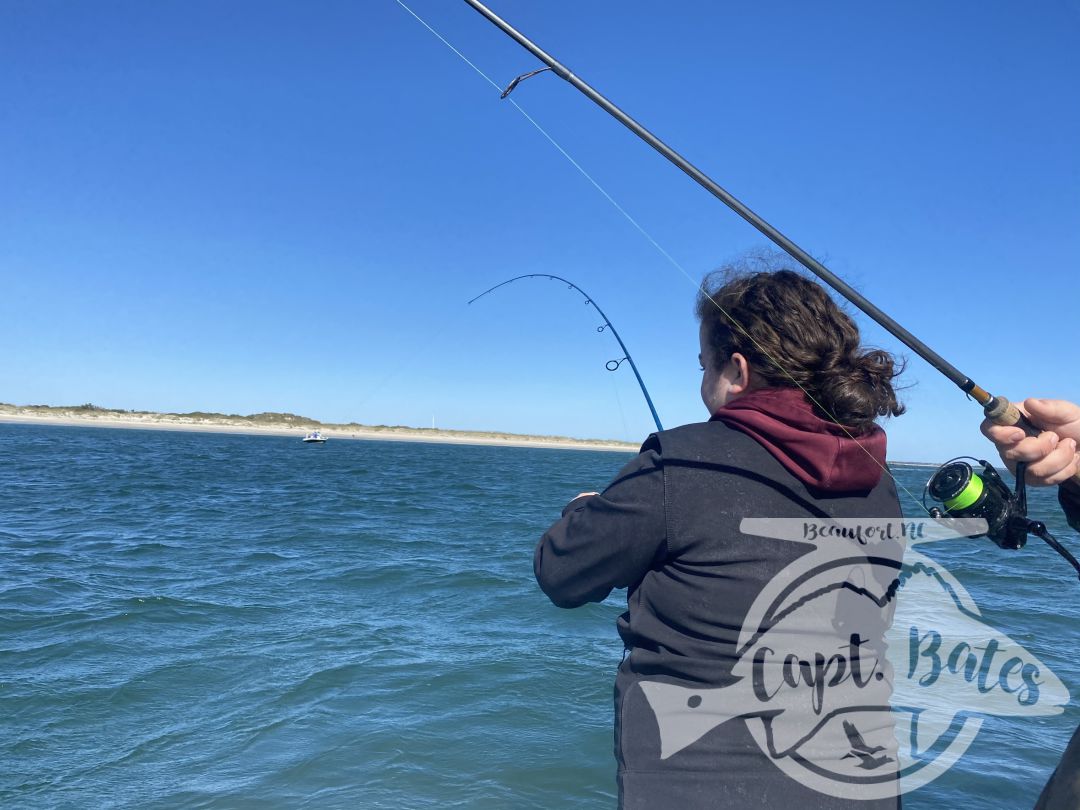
967 493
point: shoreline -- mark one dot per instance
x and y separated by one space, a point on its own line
153 421
242 426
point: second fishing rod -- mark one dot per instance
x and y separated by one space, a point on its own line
997 408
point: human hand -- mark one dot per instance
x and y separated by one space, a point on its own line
1052 455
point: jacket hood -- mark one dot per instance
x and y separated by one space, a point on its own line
820 453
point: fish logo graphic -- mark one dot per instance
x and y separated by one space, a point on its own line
863 668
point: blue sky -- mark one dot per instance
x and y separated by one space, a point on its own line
269 206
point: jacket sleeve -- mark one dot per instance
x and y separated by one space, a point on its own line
609 540
1069 498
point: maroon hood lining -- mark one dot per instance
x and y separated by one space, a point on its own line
818 452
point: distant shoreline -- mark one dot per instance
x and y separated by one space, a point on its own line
279 424
286 424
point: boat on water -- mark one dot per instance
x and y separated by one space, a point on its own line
315 437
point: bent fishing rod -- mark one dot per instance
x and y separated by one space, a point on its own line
611 365
996 408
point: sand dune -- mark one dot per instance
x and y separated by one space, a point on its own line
282 424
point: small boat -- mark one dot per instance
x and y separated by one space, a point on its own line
315 437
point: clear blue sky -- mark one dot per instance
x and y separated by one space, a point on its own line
284 206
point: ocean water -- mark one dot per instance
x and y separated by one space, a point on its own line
204 620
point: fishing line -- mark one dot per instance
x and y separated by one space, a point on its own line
637 226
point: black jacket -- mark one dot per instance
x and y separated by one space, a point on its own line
667 528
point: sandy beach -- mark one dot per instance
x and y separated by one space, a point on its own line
278 424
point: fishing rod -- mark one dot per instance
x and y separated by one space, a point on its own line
611 365
996 408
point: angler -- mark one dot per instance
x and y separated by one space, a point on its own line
668 529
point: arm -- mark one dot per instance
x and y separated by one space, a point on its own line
609 540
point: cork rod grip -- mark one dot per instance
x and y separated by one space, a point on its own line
1002 412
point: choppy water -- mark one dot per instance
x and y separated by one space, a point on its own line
200 620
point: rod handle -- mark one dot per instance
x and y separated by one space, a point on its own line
1002 412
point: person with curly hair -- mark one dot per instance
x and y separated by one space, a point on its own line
793 400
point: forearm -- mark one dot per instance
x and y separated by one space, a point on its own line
605 541
557 565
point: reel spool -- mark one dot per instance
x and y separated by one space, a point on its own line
968 494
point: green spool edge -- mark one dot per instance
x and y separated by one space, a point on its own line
967 496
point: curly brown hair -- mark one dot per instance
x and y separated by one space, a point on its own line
794 335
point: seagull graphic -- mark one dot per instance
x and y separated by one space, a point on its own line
864 752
